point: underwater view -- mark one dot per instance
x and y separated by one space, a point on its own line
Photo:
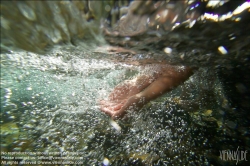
122 82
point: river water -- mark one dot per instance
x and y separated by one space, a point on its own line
59 58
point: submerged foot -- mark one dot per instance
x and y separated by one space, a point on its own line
118 109
112 108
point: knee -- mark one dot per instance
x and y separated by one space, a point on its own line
166 79
171 82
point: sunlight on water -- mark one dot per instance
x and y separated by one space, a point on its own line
56 98
60 58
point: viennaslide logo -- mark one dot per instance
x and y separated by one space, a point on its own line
233 155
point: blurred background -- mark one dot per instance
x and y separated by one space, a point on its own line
58 58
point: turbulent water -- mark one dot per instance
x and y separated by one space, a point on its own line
59 58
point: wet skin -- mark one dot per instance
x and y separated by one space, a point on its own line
134 94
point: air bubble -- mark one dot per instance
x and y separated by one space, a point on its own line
222 50
168 50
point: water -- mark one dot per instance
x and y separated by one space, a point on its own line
52 79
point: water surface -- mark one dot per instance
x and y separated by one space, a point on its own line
54 70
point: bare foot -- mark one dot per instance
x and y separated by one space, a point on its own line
112 108
117 109
132 95
123 98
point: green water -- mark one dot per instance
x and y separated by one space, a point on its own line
52 78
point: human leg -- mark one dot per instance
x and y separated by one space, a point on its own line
130 87
166 82
125 90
